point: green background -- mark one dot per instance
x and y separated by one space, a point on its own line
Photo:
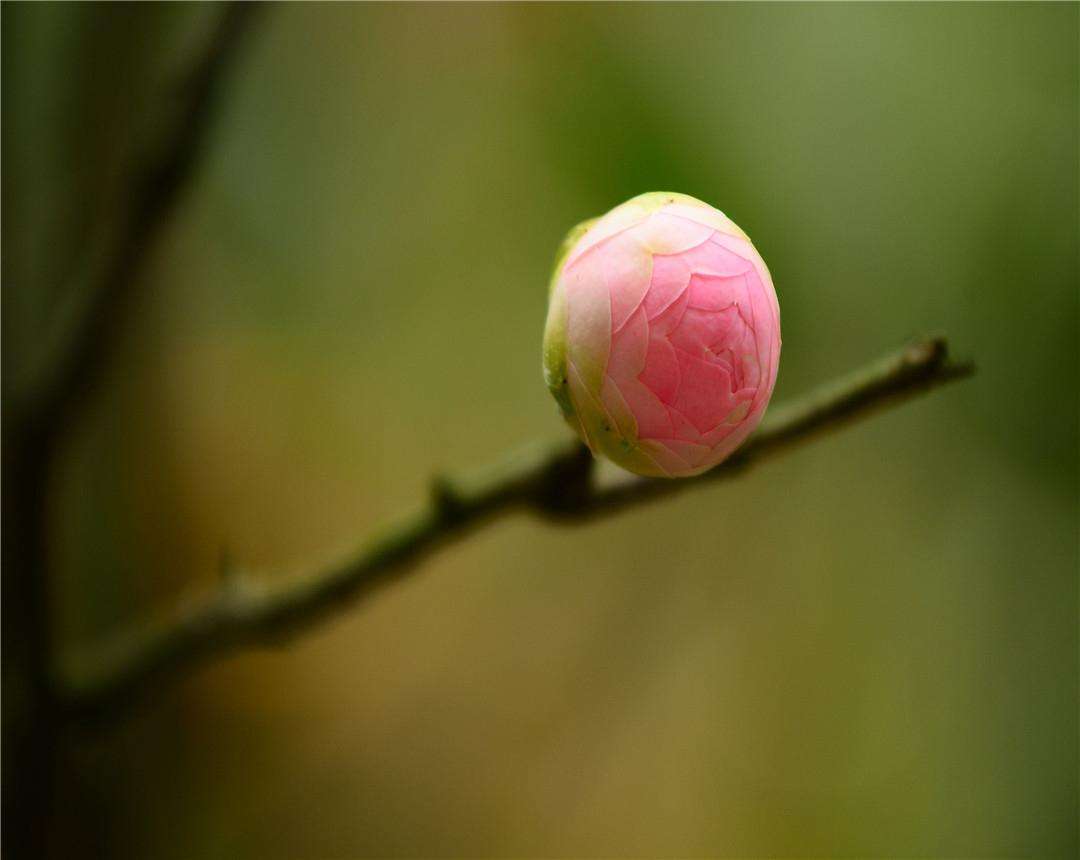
866 648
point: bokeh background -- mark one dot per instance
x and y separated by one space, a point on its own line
866 648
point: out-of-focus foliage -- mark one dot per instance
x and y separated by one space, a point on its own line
868 648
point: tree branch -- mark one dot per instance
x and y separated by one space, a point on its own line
41 408
105 287
557 482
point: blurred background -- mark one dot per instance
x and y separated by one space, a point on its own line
866 648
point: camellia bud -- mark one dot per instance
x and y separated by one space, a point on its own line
663 335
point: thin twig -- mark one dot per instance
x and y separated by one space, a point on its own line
105 287
556 482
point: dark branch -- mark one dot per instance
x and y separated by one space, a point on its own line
557 482
36 420
105 289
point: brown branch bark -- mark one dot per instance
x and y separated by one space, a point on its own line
37 418
556 482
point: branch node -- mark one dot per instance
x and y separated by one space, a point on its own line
564 487
447 500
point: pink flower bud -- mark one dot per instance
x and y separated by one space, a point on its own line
663 335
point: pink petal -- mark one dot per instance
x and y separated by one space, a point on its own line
705 393
588 320
664 234
670 277
615 222
702 213
627 269
701 333
661 373
629 347
668 321
693 454
684 430
714 293
650 414
712 258
618 410
672 464
718 435
740 408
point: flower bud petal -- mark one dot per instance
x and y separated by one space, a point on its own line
662 342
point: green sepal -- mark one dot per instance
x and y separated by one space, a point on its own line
555 330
